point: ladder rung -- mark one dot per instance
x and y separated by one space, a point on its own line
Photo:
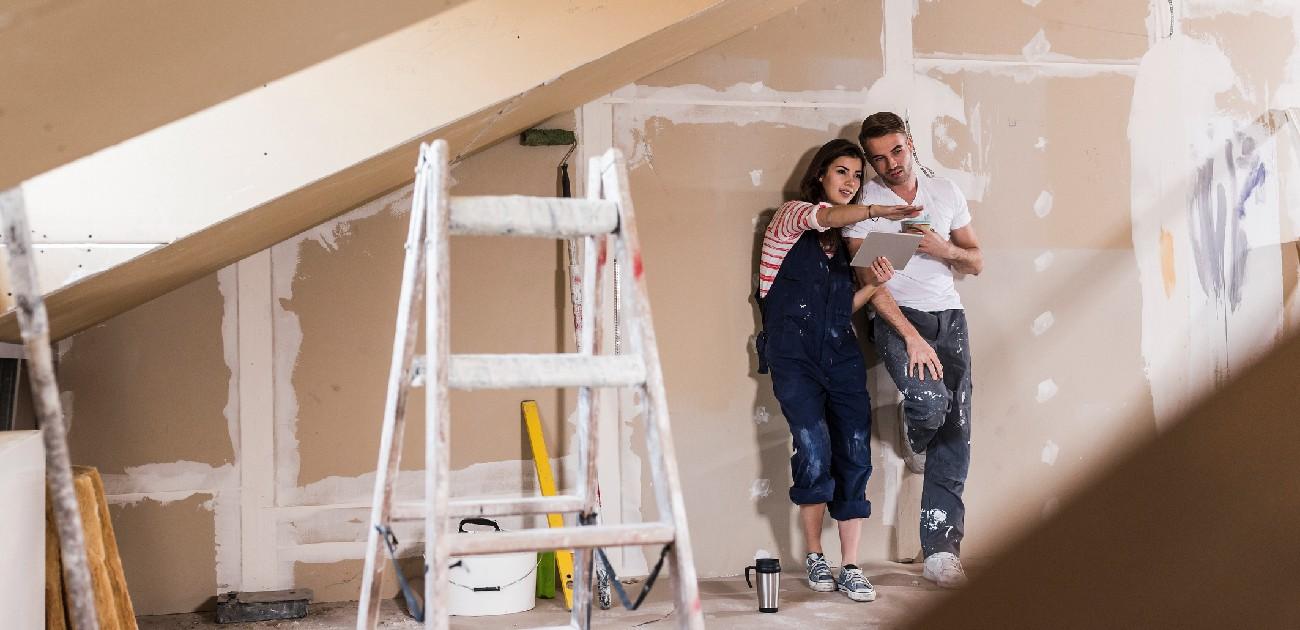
496 506
515 215
563 538
507 371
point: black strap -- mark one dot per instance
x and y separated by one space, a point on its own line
412 604
587 519
645 588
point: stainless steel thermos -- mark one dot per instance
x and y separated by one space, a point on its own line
768 575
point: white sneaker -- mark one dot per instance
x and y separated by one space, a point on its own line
944 569
915 461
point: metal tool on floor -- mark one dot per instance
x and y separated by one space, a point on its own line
606 214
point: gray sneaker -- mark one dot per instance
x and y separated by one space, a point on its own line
819 573
915 461
854 584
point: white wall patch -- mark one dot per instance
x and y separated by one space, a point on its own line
1043 205
1047 390
1043 261
1043 322
1050 451
1038 47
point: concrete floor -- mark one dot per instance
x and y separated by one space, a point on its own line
728 603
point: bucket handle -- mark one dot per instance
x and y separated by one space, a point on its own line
486 522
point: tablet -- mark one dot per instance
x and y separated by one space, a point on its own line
898 247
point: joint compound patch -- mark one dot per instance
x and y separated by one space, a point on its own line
1043 261
1043 322
1050 451
1047 390
762 415
756 177
760 489
1043 205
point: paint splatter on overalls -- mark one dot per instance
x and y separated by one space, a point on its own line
819 377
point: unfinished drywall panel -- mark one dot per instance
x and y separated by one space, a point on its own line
1113 30
1048 178
1210 213
151 386
1059 384
61 264
824 44
167 552
336 291
704 191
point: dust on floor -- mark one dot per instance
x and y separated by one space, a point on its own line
728 603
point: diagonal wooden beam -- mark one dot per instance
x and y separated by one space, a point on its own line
82 75
96 298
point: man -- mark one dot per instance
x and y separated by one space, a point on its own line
921 335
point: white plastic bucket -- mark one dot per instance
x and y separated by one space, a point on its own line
498 584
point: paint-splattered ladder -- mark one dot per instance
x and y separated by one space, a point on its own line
605 214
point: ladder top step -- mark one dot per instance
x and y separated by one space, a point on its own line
515 215
518 371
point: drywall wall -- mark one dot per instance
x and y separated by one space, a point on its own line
1054 122
236 420
1095 321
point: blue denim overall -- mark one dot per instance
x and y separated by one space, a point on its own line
819 377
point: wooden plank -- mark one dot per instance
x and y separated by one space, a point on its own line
80 76
97 298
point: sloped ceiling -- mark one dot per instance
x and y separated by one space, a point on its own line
81 75
528 67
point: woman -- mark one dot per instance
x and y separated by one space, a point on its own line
807 297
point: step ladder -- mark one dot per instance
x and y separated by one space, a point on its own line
606 214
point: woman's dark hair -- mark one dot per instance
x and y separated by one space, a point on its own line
810 186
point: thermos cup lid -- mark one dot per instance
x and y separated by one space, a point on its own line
768 565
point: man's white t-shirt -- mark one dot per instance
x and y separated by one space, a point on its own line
926 284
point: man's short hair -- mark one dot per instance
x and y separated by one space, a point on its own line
881 124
